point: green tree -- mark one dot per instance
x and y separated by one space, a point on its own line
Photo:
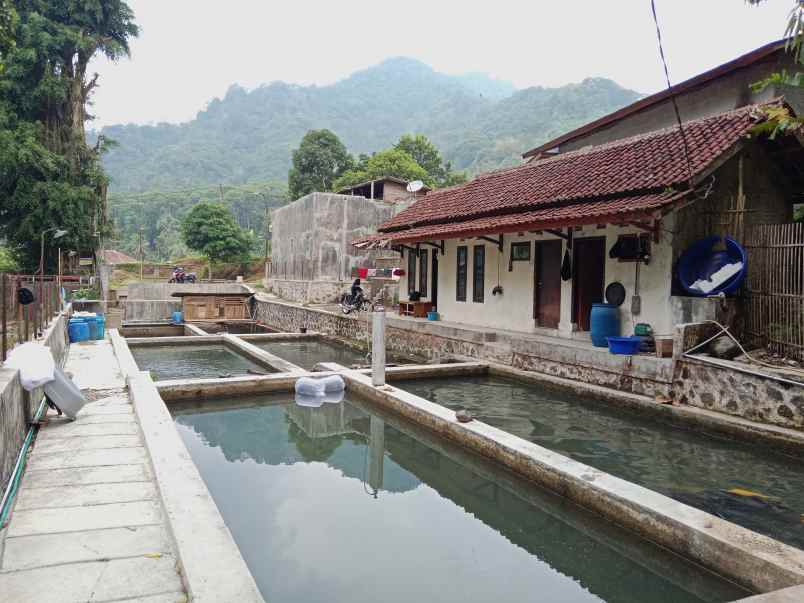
169 243
320 159
780 120
49 175
390 162
209 228
7 262
8 20
427 155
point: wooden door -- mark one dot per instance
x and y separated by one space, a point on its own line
547 283
588 281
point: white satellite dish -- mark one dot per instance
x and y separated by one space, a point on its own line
415 186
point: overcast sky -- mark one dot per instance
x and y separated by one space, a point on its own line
191 51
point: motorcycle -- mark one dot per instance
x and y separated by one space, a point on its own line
181 276
357 303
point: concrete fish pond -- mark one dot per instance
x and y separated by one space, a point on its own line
740 482
308 353
346 502
205 360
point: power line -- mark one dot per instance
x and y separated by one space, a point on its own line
672 96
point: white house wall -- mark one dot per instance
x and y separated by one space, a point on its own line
513 310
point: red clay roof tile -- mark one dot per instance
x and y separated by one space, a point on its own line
630 175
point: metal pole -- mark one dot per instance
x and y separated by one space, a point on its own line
378 348
26 312
142 258
3 292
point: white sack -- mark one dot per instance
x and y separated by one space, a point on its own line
35 363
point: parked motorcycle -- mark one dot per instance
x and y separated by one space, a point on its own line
181 276
355 303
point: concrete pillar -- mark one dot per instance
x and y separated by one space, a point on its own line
378 348
376 453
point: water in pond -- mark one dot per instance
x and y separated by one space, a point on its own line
341 504
308 353
690 467
236 328
193 361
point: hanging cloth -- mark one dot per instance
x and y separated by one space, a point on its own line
566 266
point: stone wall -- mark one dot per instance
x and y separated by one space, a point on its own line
730 390
731 387
17 406
435 341
326 292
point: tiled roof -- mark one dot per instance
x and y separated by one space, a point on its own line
634 173
623 209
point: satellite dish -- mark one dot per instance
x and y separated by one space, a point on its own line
415 186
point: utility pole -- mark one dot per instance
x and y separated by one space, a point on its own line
266 230
142 257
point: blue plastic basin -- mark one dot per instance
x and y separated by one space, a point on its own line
627 346
700 261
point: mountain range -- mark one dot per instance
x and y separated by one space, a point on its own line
478 122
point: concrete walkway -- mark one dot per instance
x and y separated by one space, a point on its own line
88 524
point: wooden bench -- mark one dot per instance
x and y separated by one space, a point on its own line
415 309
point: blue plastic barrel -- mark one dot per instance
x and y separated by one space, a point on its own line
100 320
77 330
93 327
605 322
177 318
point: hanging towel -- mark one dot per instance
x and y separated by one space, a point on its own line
566 267
362 272
372 272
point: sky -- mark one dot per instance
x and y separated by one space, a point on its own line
191 51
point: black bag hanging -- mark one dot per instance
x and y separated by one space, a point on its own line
25 296
566 267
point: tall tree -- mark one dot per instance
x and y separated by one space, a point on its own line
210 229
428 156
49 176
779 118
320 159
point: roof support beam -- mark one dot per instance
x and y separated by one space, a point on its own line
498 243
403 247
559 234
652 228
439 246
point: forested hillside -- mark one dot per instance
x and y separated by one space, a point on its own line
477 122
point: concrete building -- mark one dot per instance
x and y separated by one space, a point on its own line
388 189
312 257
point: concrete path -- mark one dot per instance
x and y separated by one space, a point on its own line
88 524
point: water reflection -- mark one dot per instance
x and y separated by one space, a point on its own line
693 468
307 354
338 503
193 362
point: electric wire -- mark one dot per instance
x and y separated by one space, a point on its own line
672 95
